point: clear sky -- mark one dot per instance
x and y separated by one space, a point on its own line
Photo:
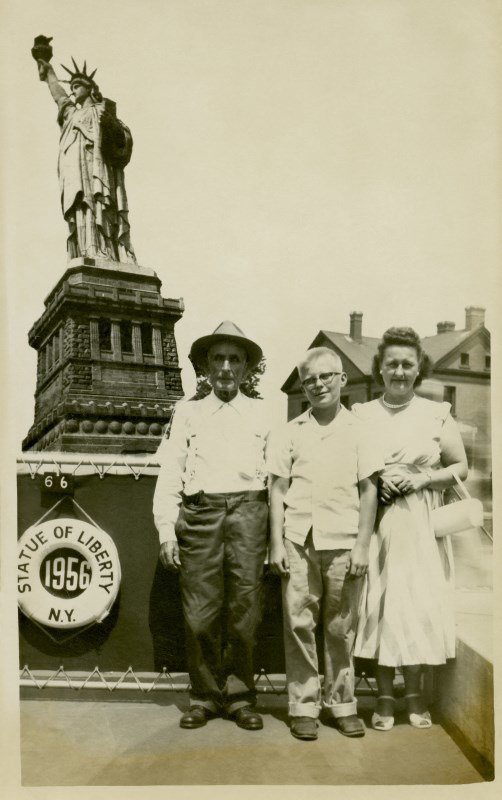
294 160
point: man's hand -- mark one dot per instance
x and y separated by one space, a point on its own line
278 560
169 554
358 561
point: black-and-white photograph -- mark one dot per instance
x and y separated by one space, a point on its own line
252 267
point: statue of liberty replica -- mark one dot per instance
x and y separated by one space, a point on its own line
108 373
94 148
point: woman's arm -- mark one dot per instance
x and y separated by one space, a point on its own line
452 456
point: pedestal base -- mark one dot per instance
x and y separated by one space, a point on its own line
108 374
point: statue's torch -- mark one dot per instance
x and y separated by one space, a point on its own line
42 49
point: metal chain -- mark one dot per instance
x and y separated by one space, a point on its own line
148 682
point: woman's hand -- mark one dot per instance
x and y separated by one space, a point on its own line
387 488
412 482
400 480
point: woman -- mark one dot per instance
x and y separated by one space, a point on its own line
94 148
407 613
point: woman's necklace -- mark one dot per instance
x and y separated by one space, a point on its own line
396 405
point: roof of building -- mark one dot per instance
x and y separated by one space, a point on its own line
439 345
361 352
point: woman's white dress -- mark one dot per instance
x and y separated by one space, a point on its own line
407 612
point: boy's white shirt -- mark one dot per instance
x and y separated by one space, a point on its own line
324 464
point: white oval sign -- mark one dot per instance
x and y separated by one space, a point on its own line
68 573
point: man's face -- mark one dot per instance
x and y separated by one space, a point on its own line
322 379
226 369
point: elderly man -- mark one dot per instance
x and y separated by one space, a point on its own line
213 466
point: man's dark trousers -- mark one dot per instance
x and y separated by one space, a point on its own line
222 545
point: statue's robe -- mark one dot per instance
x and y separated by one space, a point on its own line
93 195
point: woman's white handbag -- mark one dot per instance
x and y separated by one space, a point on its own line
458 517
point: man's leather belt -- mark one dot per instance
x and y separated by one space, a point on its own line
222 498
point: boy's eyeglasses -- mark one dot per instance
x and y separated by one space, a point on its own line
325 377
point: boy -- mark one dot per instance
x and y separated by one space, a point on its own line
323 504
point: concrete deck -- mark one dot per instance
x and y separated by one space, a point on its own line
79 743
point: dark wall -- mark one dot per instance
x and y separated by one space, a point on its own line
144 628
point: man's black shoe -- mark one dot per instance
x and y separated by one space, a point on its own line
196 717
248 719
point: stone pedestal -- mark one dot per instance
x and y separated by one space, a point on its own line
108 373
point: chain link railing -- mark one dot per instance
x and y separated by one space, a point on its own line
100 464
148 682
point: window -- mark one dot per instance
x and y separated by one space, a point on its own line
450 395
464 359
55 348
146 339
488 362
126 336
105 334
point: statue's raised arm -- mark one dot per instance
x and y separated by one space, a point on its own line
46 73
94 148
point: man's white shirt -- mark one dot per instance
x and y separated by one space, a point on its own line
213 447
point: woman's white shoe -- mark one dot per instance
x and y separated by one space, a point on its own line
379 722
422 720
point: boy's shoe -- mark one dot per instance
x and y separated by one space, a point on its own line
303 727
350 726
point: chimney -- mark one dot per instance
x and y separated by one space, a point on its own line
356 326
446 327
474 316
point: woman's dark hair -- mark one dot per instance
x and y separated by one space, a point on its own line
401 337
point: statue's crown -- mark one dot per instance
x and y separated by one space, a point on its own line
79 73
